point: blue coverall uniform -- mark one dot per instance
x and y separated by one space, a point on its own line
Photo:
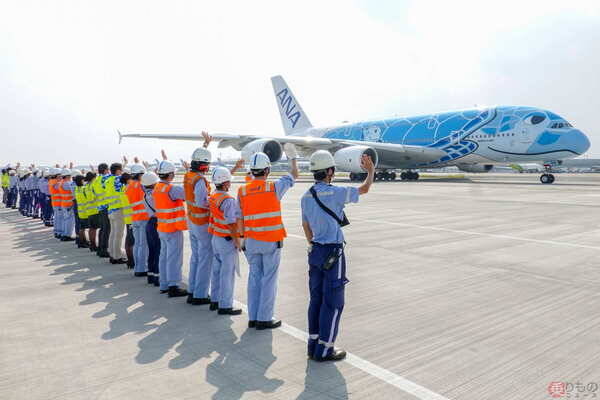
326 286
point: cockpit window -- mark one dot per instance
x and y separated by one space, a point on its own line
535 119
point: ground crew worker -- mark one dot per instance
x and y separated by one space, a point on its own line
92 210
322 218
224 212
112 192
12 189
36 206
135 194
171 222
103 221
43 185
197 191
149 180
264 233
55 201
75 208
68 217
127 220
82 206
5 186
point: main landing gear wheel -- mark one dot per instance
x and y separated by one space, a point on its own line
409 176
547 178
385 176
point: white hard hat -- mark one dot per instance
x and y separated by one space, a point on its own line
201 154
44 172
259 161
149 178
221 175
137 169
54 171
12 172
126 170
166 167
65 172
76 172
321 159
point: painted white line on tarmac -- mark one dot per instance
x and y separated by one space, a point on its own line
375 371
493 235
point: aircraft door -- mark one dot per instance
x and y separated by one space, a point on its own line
525 135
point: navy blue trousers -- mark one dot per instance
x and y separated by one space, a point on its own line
153 246
326 299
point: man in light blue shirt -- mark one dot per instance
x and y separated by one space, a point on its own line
327 264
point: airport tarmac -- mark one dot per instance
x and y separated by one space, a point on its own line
485 287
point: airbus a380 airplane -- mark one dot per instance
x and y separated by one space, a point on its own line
473 140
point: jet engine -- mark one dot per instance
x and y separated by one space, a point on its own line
348 158
475 167
271 148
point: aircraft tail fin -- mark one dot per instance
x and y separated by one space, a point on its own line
292 115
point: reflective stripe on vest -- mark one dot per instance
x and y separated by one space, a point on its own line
218 226
261 211
90 196
197 215
66 195
135 194
112 198
170 214
82 203
55 197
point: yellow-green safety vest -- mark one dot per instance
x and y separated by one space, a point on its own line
90 196
5 180
126 207
112 198
82 204
99 191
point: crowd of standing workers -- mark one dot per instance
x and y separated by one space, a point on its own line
109 207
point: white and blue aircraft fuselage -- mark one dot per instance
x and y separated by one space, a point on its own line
474 140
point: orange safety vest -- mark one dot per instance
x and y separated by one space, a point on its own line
197 215
135 194
249 178
67 195
261 211
170 214
55 197
218 226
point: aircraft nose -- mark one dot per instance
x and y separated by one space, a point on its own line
580 142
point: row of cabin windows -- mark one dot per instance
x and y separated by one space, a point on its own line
487 136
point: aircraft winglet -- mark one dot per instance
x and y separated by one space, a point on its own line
120 136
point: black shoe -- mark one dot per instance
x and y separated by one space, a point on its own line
261 325
336 355
175 291
130 265
229 311
189 298
103 255
164 291
118 261
251 324
66 239
156 281
214 306
200 301
140 274
150 279
93 249
83 246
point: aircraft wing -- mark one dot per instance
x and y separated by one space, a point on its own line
391 155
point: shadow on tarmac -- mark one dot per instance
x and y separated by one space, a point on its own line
239 365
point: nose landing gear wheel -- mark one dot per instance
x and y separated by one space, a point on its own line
547 178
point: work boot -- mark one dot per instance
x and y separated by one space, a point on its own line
104 254
335 355
163 291
66 239
175 291
229 311
251 324
150 280
83 246
200 301
189 298
261 325
156 281
118 261
214 306
140 274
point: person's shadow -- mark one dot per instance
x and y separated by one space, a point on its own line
194 333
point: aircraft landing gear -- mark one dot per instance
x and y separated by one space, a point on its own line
409 176
547 178
385 176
